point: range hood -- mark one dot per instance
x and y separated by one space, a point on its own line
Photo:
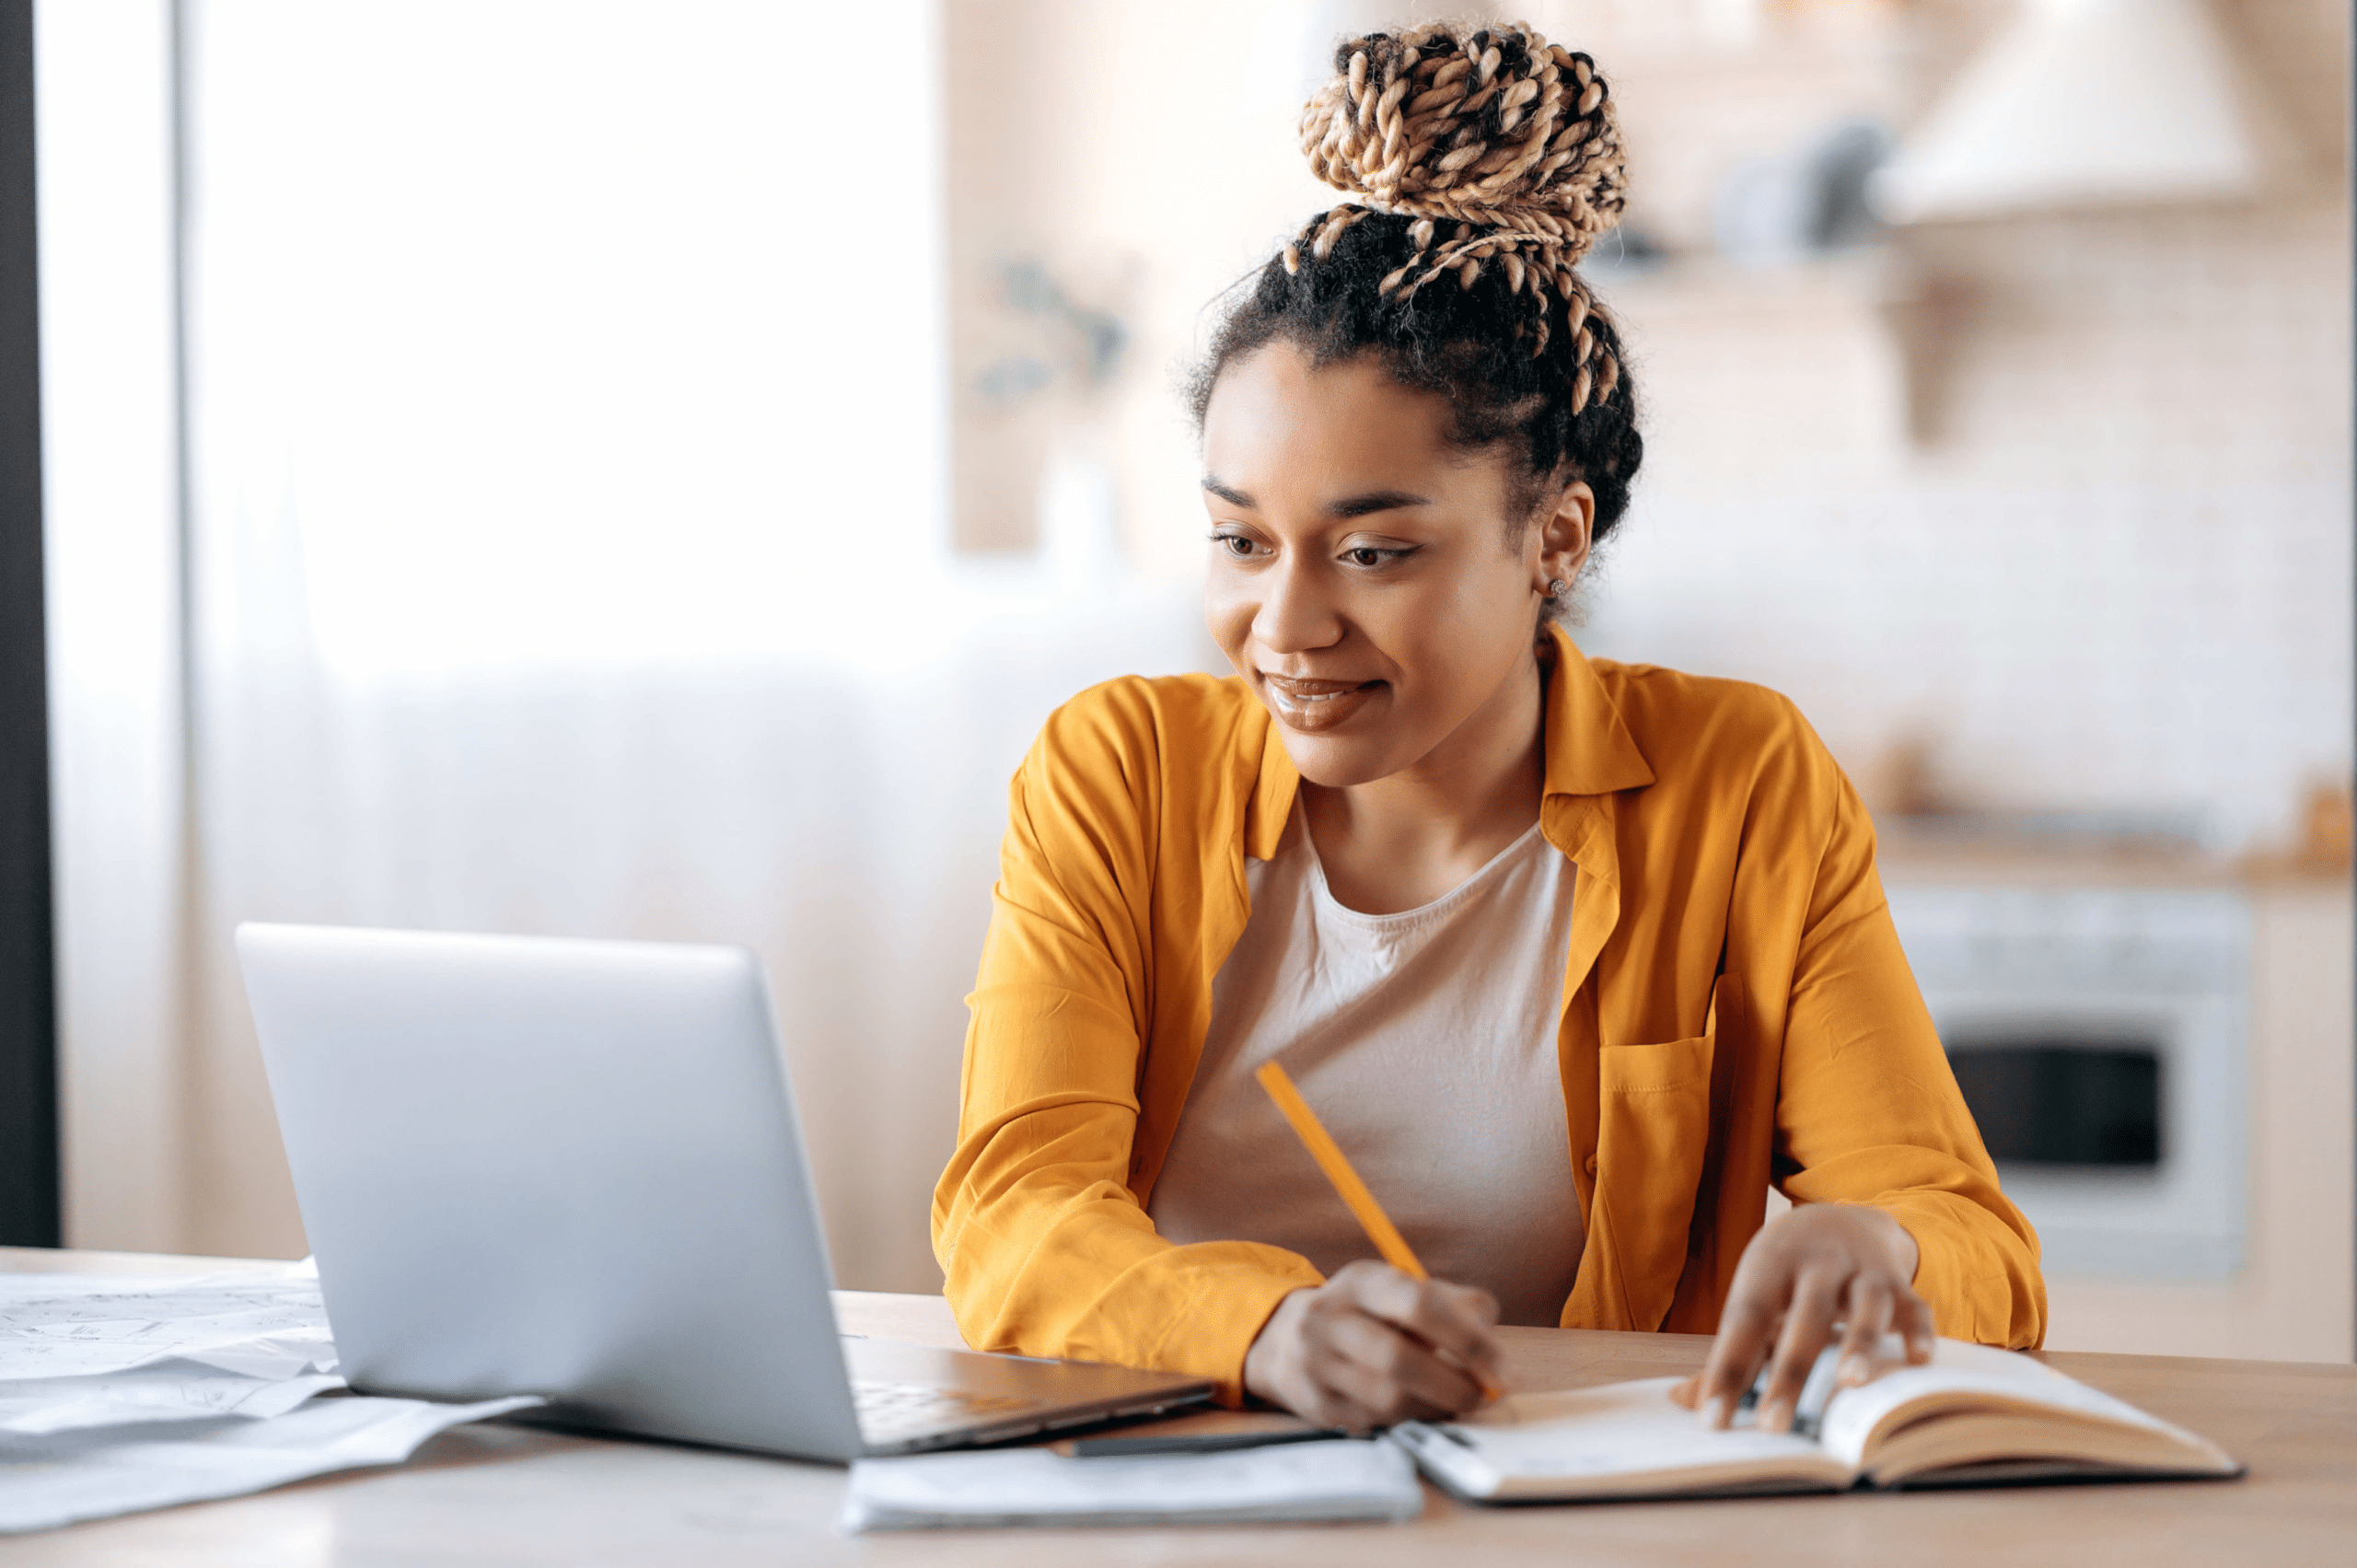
2074 104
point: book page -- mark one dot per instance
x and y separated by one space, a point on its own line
1970 1378
1622 1438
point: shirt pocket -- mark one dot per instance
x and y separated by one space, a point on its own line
1653 1139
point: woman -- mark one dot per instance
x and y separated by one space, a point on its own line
1574 958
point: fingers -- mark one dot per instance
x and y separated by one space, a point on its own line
1803 1272
1911 1318
1742 1339
1452 1318
1868 1312
1348 1395
1292 1363
1395 1375
1808 1325
1366 1349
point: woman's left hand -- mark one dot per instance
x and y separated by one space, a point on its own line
1820 1265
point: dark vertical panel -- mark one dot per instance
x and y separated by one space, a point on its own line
29 1175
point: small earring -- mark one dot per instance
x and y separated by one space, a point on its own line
1555 589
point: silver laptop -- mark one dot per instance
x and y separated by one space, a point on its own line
572 1169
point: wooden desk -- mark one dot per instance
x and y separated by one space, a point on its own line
504 1494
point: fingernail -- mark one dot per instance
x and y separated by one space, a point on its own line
1775 1415
1853 1371
1714 1413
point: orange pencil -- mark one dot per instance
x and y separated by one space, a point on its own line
1330 1159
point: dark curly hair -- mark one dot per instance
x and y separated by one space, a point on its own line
1490 158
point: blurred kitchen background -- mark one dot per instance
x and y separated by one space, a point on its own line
633 469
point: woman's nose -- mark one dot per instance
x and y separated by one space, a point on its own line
1296 611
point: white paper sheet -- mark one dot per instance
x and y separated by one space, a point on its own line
1036 1486
59 1479
162 1391
77 1325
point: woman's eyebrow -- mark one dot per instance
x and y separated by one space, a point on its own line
1375 501
1350 507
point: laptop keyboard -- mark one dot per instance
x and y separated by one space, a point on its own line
892 1410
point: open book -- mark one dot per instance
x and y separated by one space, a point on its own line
1971 1417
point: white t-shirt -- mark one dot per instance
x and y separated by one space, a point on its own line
1425 1042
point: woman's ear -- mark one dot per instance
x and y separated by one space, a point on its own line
1563 536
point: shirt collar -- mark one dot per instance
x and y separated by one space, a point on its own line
1589 749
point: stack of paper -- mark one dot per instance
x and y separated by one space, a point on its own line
260 1325
1341 1479
125 1392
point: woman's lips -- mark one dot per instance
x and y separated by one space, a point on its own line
1311 707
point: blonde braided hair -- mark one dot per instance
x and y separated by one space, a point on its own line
1508 139
1490 157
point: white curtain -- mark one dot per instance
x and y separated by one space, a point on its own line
568 548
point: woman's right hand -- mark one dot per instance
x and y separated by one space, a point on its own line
1372 1347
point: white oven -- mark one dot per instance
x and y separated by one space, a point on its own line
2098 1034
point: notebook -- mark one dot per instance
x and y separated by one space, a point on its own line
1337 1479
1972 1416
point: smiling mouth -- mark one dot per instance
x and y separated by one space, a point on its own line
1319 705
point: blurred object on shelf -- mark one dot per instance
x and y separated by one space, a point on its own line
2102 830
2328 833
2075 104
1916 817
1805 203
2329 827
1896 781
1043 350
1078 345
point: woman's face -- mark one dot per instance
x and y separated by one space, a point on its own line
1365 579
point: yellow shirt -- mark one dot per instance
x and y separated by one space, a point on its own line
1737 1011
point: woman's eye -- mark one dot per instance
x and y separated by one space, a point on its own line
1368 555
1234 544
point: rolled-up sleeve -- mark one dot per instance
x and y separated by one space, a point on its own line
1869 1112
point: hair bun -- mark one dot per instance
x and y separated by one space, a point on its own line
1492 126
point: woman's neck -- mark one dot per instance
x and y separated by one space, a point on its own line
1403 840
